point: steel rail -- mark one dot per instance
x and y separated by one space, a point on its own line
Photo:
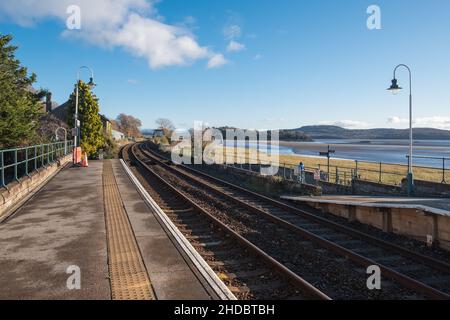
400 278
423 259
217 286
287 273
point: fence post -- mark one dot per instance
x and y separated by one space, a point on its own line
337 175
409 162
26 162
15 165
42 156
443 170
2 165
356 170
381 171
35 158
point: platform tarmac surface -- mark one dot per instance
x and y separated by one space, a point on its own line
63 226
440 206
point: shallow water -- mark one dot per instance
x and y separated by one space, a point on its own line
388 151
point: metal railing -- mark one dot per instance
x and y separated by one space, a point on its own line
286 171
344 172
378 172
388 173
444 168
20 162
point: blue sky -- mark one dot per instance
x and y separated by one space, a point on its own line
294 62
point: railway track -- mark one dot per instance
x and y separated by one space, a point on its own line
247 271
422 276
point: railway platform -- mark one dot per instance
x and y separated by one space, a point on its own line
92 234
440 206
423 219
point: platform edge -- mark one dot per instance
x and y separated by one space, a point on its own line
205 270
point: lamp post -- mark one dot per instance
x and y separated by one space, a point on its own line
91 85
395 88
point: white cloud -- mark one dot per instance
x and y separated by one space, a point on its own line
258 57
397 120
132 81
350 124
95 14
217 61
437 122
132 25
163 45
275 119
235 46
232 31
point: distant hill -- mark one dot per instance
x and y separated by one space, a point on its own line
284 135
308 133
334 132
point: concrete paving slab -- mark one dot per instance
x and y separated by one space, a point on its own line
62 226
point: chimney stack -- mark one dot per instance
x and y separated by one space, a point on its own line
48 102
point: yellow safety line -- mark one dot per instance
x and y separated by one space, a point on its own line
128 275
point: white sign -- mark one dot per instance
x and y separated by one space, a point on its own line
316 174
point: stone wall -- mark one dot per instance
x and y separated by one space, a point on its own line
17 191
332 188
270 185
430 189
361 187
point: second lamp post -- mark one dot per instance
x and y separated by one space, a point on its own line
395 88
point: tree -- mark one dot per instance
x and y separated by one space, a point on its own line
20 107
88 114
129 125
166 126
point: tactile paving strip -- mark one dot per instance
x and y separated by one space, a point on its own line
128 276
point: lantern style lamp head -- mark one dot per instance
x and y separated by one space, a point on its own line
394 88
91 83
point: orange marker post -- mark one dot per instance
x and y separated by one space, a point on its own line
77 155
